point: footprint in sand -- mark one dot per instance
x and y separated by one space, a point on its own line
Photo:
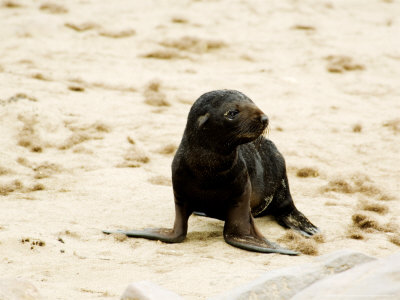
153 94
40 76
357 128
378 208
160 180
109 33
10 187
303 27
79 85
16 98
179 20
186 44
5 171
296 241
134 157
117 34
357 183
307 172
28 136
370 224
168 149
17 186
80 27
393 125
12 4
82 133
193 44
46 169
164 54
76 88
342 63
363 223
395 239
53 8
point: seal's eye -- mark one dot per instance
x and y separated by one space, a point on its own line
231 114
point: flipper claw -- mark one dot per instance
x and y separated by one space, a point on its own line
297 221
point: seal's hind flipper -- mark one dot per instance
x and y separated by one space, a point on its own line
251 243
297 221
160 234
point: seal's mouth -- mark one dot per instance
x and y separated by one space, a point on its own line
264 120
260 138
250 125
253 129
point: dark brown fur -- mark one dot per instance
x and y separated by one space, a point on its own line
224 168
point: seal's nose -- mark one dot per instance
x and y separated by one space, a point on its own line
264 120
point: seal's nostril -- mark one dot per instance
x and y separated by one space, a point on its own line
264 119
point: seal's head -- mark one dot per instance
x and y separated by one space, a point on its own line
223 119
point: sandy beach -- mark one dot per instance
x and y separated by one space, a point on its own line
94 97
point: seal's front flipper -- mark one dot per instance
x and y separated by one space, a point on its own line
114 232
175 235
240 231
297 221
254 244
161 234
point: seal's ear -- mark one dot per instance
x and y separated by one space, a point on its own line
202 119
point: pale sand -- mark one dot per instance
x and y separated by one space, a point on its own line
83 70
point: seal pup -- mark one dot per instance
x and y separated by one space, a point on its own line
225 168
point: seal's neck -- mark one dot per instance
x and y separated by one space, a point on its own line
207 160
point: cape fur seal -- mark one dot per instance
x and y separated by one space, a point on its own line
225 168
